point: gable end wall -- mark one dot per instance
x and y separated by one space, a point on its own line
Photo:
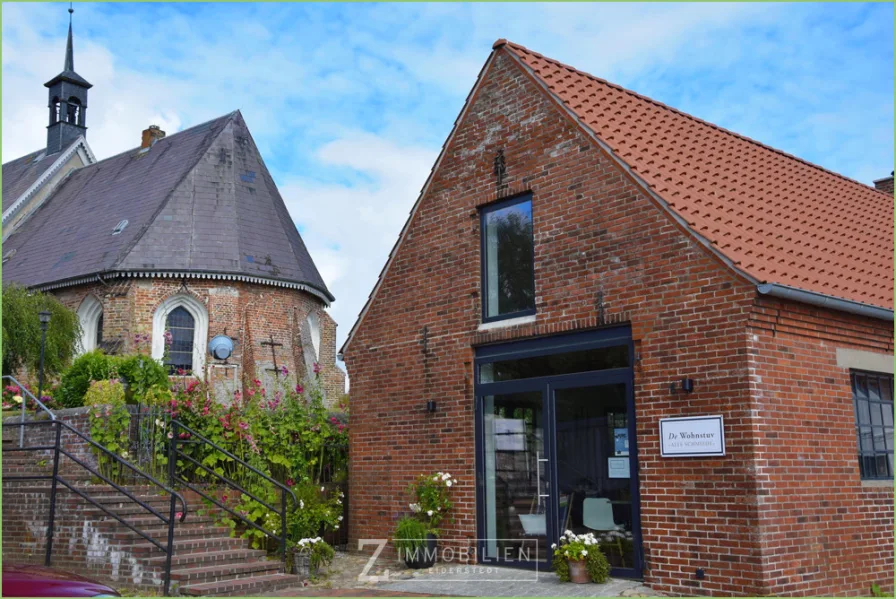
595 233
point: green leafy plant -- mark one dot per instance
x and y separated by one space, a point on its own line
433 498
320 554
876 592
22 332
290 436
142 374
89 367
584 547
109 424
410 535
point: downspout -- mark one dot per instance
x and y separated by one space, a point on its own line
824 301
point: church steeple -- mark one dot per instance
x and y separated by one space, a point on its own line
69 51
67 101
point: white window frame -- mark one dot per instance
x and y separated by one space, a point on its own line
200 330
89 313
314 330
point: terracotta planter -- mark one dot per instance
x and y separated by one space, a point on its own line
578 573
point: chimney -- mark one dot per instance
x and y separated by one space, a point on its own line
151 136
885 185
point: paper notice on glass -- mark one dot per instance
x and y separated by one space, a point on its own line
618 467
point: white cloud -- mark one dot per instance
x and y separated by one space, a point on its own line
349 229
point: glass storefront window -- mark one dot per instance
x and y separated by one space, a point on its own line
587 360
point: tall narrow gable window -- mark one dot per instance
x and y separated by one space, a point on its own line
873 397
508 259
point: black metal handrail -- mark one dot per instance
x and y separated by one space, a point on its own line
58 450
284 490
25 390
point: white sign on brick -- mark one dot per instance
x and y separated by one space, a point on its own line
693 436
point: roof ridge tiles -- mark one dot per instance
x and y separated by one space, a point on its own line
678 111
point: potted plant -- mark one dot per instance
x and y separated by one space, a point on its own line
578 559
308 555
416 536
416 544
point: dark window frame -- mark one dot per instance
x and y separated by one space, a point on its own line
484 211
880 403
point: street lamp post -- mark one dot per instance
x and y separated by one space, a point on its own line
44 323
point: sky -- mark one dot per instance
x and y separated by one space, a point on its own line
350 103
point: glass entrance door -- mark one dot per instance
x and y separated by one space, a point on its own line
595 478
517 479
555 448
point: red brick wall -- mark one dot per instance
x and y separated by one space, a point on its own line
822 530
248 313
595 233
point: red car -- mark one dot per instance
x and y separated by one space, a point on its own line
22 580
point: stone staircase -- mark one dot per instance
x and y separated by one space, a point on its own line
206 560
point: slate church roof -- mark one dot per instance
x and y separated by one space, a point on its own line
198 203
20 174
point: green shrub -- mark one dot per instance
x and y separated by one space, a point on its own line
92 366
142 373
598 567
22 333
109 423
410 535
580 547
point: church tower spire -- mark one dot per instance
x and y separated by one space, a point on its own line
67 101
69 51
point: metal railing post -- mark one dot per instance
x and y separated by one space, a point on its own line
170 548
22 428
52 519
172 465
283 525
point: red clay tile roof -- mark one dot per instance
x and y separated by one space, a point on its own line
778 218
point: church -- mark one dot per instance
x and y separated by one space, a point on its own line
184 235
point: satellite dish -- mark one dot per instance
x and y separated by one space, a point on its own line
221 347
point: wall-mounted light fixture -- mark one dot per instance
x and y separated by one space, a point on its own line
683 386
431 407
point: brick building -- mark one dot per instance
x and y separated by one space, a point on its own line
584 262
185 233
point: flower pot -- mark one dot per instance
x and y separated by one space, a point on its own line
578 573
422 557
301 565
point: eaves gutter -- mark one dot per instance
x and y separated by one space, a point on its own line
824 301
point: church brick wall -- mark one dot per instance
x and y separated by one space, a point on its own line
599 239
248 313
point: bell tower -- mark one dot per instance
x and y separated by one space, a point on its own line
67 101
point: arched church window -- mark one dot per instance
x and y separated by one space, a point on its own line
181 326
180 334
314 329
90 315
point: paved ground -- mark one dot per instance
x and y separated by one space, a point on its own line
341 580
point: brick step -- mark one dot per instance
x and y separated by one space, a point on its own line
191 560
241 586
222 572
182 532
209 544
144 520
